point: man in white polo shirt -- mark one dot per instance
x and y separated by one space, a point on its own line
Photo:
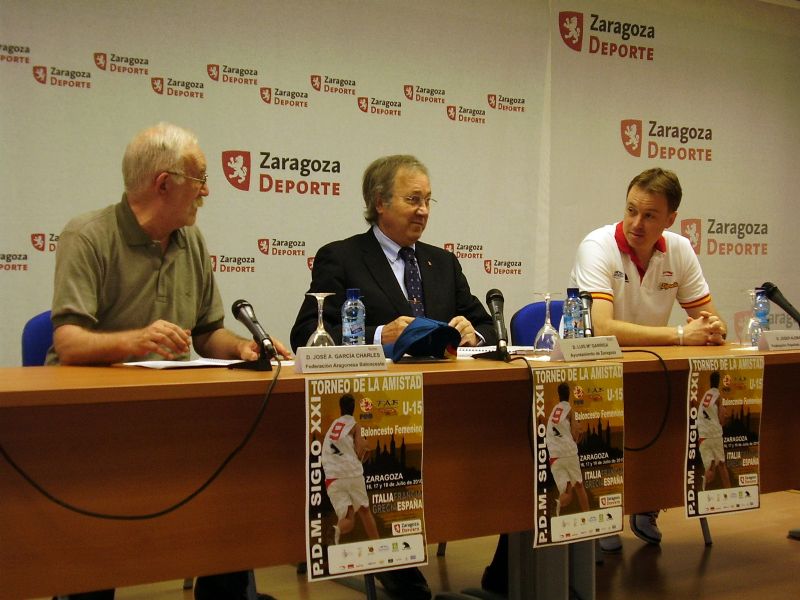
635 271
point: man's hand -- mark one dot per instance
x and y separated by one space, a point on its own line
705 330
391 331
249 350
161 337
466 330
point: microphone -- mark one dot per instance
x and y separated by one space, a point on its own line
244 313
774 294
586 308
494 300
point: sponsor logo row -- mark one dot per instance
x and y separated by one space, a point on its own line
274 247
286 98
713 237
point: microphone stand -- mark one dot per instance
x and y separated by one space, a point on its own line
500 354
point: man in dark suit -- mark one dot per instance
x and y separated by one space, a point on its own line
399 278
397 195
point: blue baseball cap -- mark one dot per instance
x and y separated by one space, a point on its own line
425 338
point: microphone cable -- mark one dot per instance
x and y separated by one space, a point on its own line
165 511
529 428
666 409
641 448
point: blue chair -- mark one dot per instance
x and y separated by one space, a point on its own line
37 337
529 319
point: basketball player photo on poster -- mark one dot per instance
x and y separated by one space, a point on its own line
722 441
365 509
578 431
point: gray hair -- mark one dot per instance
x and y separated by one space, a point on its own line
160 148
378 180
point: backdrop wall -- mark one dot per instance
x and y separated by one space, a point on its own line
526 113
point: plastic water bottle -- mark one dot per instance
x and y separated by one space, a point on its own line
760 320
353 319
573 324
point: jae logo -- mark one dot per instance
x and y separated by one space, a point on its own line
263 246
213 71
157 83
266 95
363 103
450 246
408 90
692 229
101 60
214 263
492 100
316 82
310 262
570 26
630 131
487 265
451 112
236 166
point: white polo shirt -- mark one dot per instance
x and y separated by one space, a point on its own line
605 266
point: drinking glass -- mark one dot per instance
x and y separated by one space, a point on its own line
546 337
320 337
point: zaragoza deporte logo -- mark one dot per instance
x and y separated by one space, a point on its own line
570 26
631 132
692 230
236 166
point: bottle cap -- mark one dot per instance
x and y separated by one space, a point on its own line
353 293
572 291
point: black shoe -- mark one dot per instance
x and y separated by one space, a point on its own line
491 582
405 584
265 597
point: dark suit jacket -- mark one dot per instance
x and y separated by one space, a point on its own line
359 262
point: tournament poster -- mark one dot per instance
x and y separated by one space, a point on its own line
578 428
365 506
722 439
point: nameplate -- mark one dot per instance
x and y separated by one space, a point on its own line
325 359
593 348
786 339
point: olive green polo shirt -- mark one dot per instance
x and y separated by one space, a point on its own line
110 276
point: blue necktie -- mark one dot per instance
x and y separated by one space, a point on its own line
413 282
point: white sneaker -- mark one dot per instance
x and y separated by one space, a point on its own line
645 527
611 544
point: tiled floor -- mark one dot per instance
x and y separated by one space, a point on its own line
751 559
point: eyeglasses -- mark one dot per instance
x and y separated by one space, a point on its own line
418 201
201 180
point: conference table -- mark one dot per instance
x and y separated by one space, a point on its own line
132 441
